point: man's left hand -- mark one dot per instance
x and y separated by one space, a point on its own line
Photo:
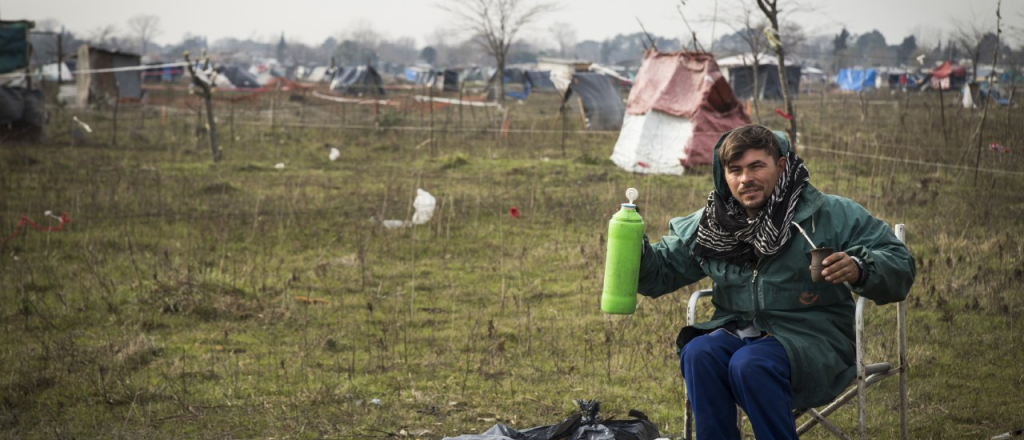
839 268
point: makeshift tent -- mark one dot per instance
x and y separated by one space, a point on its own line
234 76
318 74
678 108
14 44
768 84
540 81
948 76
53 71
857 80
419 74
162 74
118 76
811 75
562 70
473 79
602 106
901 79
739 70
447 80
516 84
359 80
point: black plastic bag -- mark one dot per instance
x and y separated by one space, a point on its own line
585 424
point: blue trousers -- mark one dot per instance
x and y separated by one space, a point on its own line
722 371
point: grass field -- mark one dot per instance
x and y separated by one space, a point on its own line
189 299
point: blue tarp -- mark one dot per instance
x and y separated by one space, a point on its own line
13 45
856 80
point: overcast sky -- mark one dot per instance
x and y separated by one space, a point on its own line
312 21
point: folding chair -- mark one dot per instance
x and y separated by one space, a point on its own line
867 374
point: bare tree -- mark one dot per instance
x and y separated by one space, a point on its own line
565 36
970 34
104 35
495 23
751 31
144 28
771 11
989 99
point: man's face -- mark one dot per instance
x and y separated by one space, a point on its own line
752 179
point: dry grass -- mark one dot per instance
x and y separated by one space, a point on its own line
173 305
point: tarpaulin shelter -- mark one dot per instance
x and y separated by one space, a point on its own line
601 104
160 73
447 80
857 80
53 71
768 84
739 70
14 53
561 70
358 80
237 77
948 76
318 74
679 106
540 81
517 86
419 74
901 79
107 74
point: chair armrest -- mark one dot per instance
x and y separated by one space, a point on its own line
691 307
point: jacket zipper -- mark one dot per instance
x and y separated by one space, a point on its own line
756 293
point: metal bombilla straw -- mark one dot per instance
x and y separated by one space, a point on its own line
804 233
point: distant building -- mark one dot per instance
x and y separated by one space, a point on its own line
119 75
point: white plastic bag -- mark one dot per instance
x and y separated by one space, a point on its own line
424 205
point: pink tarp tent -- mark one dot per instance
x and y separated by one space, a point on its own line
679 106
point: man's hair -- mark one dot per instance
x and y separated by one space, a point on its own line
748 137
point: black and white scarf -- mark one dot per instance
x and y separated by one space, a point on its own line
725 233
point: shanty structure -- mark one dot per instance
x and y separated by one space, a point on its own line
236 77
540 81
517 86
599 102
445 80
561 70
948 76
14 53
107 74
678 108
358 80
857 80
739 70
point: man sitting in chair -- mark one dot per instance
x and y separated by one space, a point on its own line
777 339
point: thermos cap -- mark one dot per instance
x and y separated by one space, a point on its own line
629 205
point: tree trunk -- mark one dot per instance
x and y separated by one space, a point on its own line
500 77
771 11
755 95
785 92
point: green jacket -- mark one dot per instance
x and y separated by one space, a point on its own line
813 321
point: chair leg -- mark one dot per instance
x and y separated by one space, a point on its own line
901 321
827 424
688 420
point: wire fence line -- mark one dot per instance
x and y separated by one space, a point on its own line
913 161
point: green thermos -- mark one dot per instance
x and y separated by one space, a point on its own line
622 263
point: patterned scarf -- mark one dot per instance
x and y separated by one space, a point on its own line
725 233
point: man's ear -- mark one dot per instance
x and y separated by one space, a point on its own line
782 162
